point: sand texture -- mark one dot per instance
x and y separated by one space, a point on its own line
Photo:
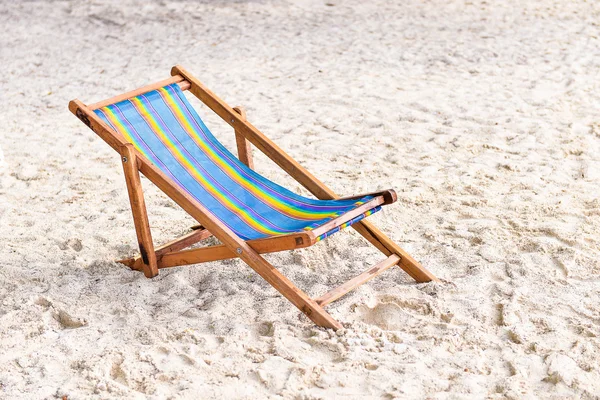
484 116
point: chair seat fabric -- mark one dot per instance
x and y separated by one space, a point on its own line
165 128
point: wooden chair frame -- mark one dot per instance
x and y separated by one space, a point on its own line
173 254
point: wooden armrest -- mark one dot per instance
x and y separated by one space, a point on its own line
389 196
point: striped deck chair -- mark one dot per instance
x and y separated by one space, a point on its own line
158 133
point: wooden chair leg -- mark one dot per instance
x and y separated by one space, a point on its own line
243 145
284 286
138 209
388 247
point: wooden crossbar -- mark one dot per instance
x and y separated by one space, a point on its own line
183 84
355 282
174 245
183 242
213 253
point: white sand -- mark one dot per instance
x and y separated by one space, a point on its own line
484 117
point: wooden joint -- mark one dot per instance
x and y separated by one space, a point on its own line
128 155
389 196
306 310
82 117
240 110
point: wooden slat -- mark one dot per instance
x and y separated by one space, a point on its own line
334 223
355 282
243 146
172 246
220 252
138 208
196 256
183 242
145 89
389 196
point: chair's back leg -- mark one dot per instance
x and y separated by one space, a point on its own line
388 247
138 209
243 146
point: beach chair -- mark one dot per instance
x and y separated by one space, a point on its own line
158 133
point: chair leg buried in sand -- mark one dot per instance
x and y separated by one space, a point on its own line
157 132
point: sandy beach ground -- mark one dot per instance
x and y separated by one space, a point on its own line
484 116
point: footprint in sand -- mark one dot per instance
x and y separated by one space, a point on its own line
117 373
67 321
396 314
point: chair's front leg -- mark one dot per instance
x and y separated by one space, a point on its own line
138 209
308 306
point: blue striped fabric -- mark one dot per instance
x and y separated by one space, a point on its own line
166 129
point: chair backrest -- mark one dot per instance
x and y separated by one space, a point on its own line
165 128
